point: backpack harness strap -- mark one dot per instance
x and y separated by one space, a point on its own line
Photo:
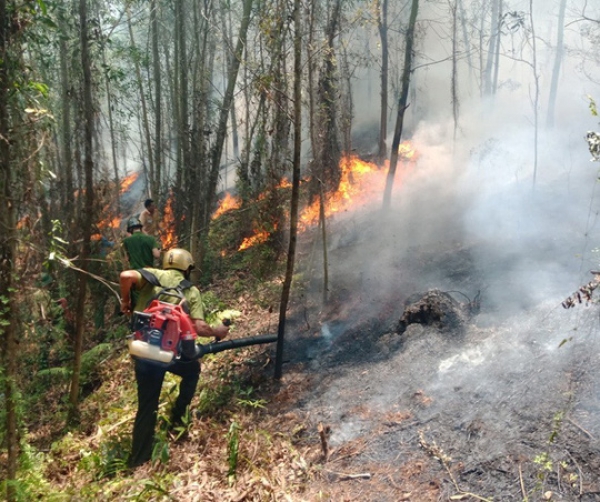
176 291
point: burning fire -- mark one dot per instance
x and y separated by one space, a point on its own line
258 238
109 223
128 181
407 151
228 203
361 182
167 229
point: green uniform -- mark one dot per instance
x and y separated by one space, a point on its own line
169 279
149 376
139 248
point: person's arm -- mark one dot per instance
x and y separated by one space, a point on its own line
204 330
127 280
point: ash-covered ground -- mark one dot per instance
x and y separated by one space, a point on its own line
502 407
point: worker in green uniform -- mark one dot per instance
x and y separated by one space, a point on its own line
141 249
177 265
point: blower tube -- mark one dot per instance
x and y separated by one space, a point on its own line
213 348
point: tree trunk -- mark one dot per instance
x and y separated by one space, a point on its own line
536 94
86 215
156 182
326 170
311 63
466 42
383 36
491 55
66 172
557 64
199 165
8 327
402 104
217 148
494 82
291 256
454 84
184 125
227 41
144 122
111 129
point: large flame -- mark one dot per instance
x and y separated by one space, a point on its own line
361 183
228 203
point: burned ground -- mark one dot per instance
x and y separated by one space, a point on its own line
498 403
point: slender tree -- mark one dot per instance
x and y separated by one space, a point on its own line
8 321
402 103
157 174
326 168
145 121
221 133
494 41
536 93
66 91
454 74
87 214
382 24
294 204
558 56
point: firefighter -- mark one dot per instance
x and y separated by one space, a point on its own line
177 265
141 249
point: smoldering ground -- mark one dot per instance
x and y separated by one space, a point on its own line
518 379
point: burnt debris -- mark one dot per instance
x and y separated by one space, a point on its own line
584 293
438 309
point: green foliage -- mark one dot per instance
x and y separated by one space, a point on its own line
110 458
31 483
592 106
215 398
92 363
57 245
252 403
158 485
52 377
117 335
250 240
212 401
233 448
160 451
212 307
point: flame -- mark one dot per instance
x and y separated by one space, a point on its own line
228 203
109 223
168 238
128 181
407 151
359 183
258 238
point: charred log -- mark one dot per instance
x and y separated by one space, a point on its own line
438 309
